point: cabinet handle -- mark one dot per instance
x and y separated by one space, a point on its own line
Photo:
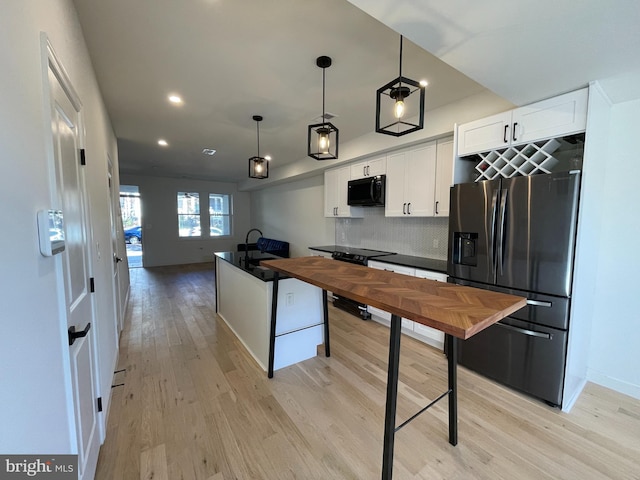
437 207
404 208
506 127
514 131
409 208
364 171
368 172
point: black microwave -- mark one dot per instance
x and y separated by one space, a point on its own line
367 192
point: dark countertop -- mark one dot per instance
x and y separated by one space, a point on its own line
326 248
237 259
422 263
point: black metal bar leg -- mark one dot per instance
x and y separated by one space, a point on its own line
452 357
272 333
392 398
325 308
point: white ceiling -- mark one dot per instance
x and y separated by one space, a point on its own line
232 59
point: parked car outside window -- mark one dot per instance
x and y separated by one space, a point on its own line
133 235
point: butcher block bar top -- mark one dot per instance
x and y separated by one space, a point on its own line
454 309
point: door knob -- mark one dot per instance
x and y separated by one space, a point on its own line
73 334
116 258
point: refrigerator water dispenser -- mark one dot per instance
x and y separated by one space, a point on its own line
464 250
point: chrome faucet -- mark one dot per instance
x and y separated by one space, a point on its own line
246 241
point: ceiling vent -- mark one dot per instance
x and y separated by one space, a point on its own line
327 116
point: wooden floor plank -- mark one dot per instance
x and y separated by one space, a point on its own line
196 406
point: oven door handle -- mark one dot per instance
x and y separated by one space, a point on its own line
524 331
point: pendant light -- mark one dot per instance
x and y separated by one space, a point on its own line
322 138
396 101
258 166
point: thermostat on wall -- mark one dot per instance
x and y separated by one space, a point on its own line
51 232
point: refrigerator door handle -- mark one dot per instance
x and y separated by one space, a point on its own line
524 331
494 206
538 303
501 228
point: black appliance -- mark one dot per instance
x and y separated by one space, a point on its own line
517 235
359 256
367 192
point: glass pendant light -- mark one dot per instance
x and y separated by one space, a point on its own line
322 138
396 101
258 166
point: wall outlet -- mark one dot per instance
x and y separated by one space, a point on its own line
436 243
289 300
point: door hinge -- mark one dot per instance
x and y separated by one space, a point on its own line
83 158
99 404
92 285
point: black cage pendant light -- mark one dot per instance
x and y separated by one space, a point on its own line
258 166
396 102
322 140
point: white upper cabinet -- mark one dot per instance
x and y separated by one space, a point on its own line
484 134
369 168
550 118
335 194
410 186
554 117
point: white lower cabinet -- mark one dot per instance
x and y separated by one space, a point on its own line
418 331
318 253
431 335
381 314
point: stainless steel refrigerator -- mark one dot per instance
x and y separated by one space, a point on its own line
517 235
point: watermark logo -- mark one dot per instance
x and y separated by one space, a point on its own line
45 467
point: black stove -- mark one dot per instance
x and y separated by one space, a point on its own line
359 256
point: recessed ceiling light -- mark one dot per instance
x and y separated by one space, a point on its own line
267 157
423 83
209 151
175 99
163 143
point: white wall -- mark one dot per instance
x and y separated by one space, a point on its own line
161 244
614 354
294 212
36 414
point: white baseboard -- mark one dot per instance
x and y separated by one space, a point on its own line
620 386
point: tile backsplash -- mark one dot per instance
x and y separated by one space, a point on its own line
419 236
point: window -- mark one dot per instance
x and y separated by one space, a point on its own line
219 214
188 214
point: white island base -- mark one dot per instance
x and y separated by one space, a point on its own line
244 303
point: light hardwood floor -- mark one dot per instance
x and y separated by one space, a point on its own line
195 406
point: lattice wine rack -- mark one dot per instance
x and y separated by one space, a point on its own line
528 159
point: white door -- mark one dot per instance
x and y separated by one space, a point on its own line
71 192
116 226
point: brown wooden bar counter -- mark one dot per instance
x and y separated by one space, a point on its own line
458 311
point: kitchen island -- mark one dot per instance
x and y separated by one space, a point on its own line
244 294
460 312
